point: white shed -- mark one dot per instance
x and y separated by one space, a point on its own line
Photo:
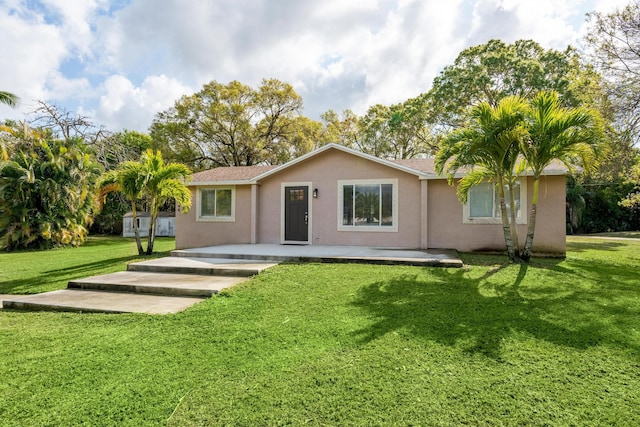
165 224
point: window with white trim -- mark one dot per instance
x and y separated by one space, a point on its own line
216 204
368 205
483 204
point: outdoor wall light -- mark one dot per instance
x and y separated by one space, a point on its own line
315 193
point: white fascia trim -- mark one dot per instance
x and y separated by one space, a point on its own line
219 183
458 175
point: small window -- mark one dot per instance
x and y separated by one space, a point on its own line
216 204
296 195
483 205
367 205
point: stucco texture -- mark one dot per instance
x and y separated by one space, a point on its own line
445 228
428 213
323 172
191 233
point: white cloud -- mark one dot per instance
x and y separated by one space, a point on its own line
545 21
36 48
125 106
76 17
125 60
31 50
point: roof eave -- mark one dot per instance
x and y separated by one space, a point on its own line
458 175
219 183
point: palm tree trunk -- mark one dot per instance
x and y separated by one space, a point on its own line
153 215
136 232
514 222
506 228
528 244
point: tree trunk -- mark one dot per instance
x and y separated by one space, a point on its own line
506 228
528 244
514 222
153 215
136 232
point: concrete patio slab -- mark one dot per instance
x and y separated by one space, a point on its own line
321 253
101 302
157 283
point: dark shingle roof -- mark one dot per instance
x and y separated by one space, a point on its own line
425 166
230 174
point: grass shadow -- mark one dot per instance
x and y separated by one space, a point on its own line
453 308
574 246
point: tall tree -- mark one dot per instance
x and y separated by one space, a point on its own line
410 132
489 147
614 39
64 124
399 131
612 43
112 150
374 133
232 125
492 71
8 98
129 179
164 182
341 128
556 133
151 179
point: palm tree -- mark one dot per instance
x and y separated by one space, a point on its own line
8 98
568 135
152 179
164 182
488 145
129 179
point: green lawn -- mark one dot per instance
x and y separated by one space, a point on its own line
28 272
556 342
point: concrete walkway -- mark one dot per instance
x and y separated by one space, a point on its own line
159 286
84 301
172 284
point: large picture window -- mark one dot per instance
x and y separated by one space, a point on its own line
216 204
483 205
367 205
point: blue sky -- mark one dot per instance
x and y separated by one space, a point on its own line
122 61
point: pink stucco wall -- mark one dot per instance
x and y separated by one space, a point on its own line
324 171
446 228
195 234
442 225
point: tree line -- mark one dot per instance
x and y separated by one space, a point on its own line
234 124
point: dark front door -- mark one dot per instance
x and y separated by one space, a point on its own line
296 214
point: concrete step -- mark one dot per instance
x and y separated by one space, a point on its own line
78 300
157 283
235 257
202 266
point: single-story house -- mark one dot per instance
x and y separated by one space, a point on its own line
165 224
339 196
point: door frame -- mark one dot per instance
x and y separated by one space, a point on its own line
309 186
